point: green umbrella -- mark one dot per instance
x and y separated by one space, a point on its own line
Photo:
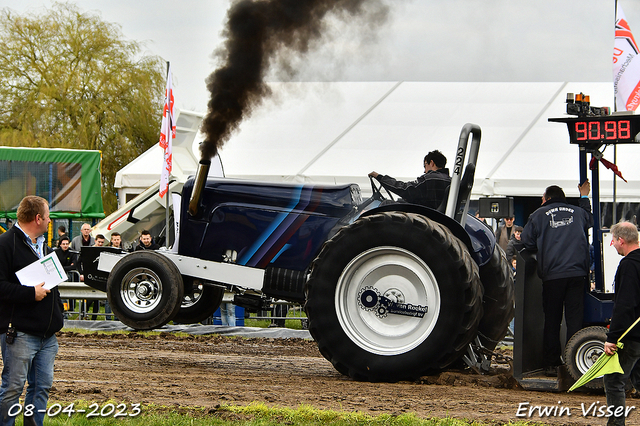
606 364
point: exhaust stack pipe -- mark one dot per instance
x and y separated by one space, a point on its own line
201 178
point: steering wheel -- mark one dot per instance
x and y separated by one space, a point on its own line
377 190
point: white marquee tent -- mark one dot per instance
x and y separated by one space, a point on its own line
339 132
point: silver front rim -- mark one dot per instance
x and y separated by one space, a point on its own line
399 275
192 298
588 353
141 290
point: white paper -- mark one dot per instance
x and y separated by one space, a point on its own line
48 269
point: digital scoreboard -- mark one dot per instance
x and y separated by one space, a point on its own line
602 129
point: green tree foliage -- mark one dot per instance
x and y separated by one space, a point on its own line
70 80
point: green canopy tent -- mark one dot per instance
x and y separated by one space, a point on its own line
68 178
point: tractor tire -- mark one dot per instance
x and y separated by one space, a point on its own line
406 258
498 301
145 290
200 304
582 351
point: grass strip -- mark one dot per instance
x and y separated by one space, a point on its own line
85 413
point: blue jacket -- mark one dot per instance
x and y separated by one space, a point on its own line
558 231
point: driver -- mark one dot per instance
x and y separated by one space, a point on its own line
427 190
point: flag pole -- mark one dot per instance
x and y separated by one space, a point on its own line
167 195
615 108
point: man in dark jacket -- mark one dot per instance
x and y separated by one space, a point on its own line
626 309
559 232
146 242
427 190
29 315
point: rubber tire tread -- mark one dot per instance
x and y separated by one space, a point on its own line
446 256
172 294
570 350
498 301
204 308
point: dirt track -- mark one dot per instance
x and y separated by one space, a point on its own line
210 370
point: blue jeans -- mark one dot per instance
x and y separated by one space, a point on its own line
228 314
28 358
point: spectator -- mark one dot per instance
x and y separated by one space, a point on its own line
503 234
68 259
95 304
481 219
280 311
515 243
146 242
30 316
558 231
62 232
83 240
116 240
99 241
626 308
228 314
427 190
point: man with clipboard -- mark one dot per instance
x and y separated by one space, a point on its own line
30 315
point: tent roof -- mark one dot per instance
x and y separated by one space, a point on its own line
339 132
145 170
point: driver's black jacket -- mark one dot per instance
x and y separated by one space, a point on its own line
427 190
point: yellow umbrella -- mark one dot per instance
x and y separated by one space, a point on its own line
606 364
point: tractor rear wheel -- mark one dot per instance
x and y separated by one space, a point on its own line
498 300
392 297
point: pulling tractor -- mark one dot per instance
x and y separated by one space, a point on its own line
392 290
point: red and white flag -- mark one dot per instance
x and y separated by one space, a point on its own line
167 133
626 66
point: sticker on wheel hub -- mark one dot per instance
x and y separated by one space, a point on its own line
370 299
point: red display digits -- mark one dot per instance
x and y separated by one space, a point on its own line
594 130
581 131
610 130
624 129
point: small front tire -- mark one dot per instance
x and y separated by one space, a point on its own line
145 290
582 351
200 304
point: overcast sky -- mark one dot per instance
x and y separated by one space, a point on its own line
422 40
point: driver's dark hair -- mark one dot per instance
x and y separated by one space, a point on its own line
438 158
553 191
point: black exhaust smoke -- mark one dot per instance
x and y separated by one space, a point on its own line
258 34
261 34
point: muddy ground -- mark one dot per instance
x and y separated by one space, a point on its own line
206 371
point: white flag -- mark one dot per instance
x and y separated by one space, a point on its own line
167 133
626 66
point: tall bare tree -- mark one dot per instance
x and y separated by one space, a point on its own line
70 80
